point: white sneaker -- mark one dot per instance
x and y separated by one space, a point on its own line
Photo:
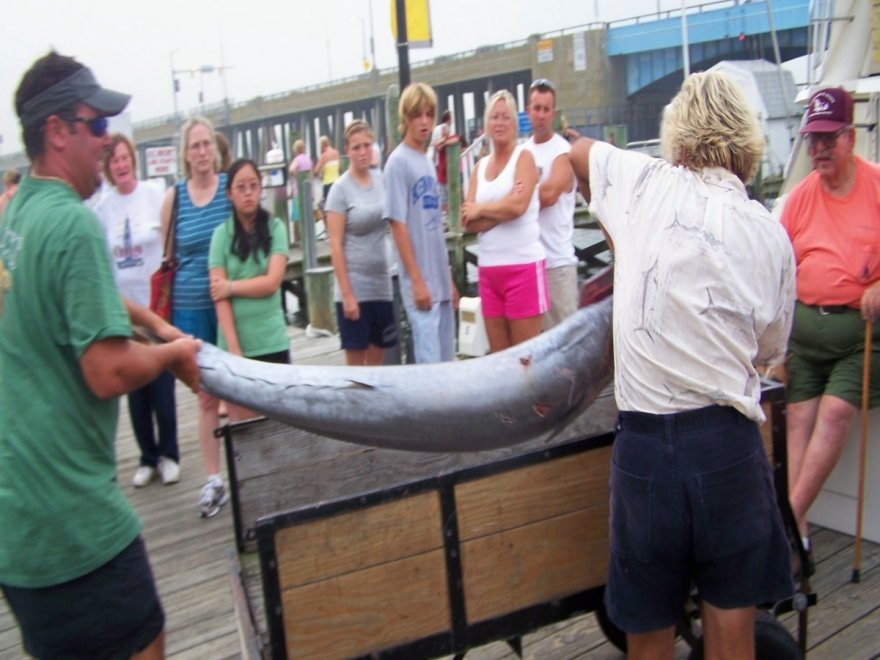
169 470
312 332
144 475
213 497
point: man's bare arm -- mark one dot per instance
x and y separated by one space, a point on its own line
580 164
559 181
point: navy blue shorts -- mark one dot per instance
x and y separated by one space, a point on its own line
112 612
692 500
376 326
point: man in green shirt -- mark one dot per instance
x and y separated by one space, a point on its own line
72 564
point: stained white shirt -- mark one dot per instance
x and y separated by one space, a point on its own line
703 284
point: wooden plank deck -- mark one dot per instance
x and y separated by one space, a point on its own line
189 560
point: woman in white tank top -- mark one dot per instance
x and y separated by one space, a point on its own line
502 206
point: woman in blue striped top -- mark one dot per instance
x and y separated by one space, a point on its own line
202 204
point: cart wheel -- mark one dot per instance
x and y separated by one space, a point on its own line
772 640
614 634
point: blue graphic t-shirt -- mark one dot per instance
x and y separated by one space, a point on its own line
411 197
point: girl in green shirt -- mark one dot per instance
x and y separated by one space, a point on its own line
247 262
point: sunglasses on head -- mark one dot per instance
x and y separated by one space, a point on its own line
542 84
97 125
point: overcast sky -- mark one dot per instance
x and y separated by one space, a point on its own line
270 47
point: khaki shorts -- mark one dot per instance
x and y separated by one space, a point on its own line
563 287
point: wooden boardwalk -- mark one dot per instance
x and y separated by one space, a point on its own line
188 555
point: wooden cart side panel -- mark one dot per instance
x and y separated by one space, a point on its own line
327 547
532 493
248 639
269 447
362 612
534 564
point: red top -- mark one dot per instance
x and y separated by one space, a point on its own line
836 240
441 166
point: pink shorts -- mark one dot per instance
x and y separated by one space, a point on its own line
514 292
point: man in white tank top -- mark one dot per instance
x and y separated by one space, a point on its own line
556 192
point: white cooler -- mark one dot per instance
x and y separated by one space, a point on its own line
472 338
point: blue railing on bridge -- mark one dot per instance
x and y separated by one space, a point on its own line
707 23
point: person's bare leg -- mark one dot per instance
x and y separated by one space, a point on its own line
375 355
823 449
654 645
524 329
209 419
355 358
155 651
239 414
800 418
728 634
498 334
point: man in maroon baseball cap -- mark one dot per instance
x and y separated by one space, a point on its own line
833 221
829 111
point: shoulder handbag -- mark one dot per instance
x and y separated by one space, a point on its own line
162 280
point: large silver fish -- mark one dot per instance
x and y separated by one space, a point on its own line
468 405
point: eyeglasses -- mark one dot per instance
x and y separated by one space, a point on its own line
244 188
97 125
827 140
542 84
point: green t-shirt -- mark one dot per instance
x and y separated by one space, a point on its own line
259 322
62 514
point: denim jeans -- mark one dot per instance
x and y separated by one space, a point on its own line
156 398
433 332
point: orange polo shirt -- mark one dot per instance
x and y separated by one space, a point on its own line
836 240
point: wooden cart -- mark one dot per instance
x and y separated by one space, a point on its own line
347 551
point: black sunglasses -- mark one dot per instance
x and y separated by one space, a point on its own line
97 125
543 84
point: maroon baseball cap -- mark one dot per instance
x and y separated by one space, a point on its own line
829 110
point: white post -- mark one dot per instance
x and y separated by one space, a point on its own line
685 55
222 72
372 40
174 86
364 61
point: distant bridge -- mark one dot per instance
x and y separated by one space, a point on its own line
608 75
653 49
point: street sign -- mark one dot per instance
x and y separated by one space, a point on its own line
161 161
525 126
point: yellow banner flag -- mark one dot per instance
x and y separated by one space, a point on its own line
418 23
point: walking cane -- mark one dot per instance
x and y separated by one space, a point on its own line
863 451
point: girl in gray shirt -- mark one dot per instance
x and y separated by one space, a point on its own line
359 251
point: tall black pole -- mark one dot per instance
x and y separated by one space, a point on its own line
402 45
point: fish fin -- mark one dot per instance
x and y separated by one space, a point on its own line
359 385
